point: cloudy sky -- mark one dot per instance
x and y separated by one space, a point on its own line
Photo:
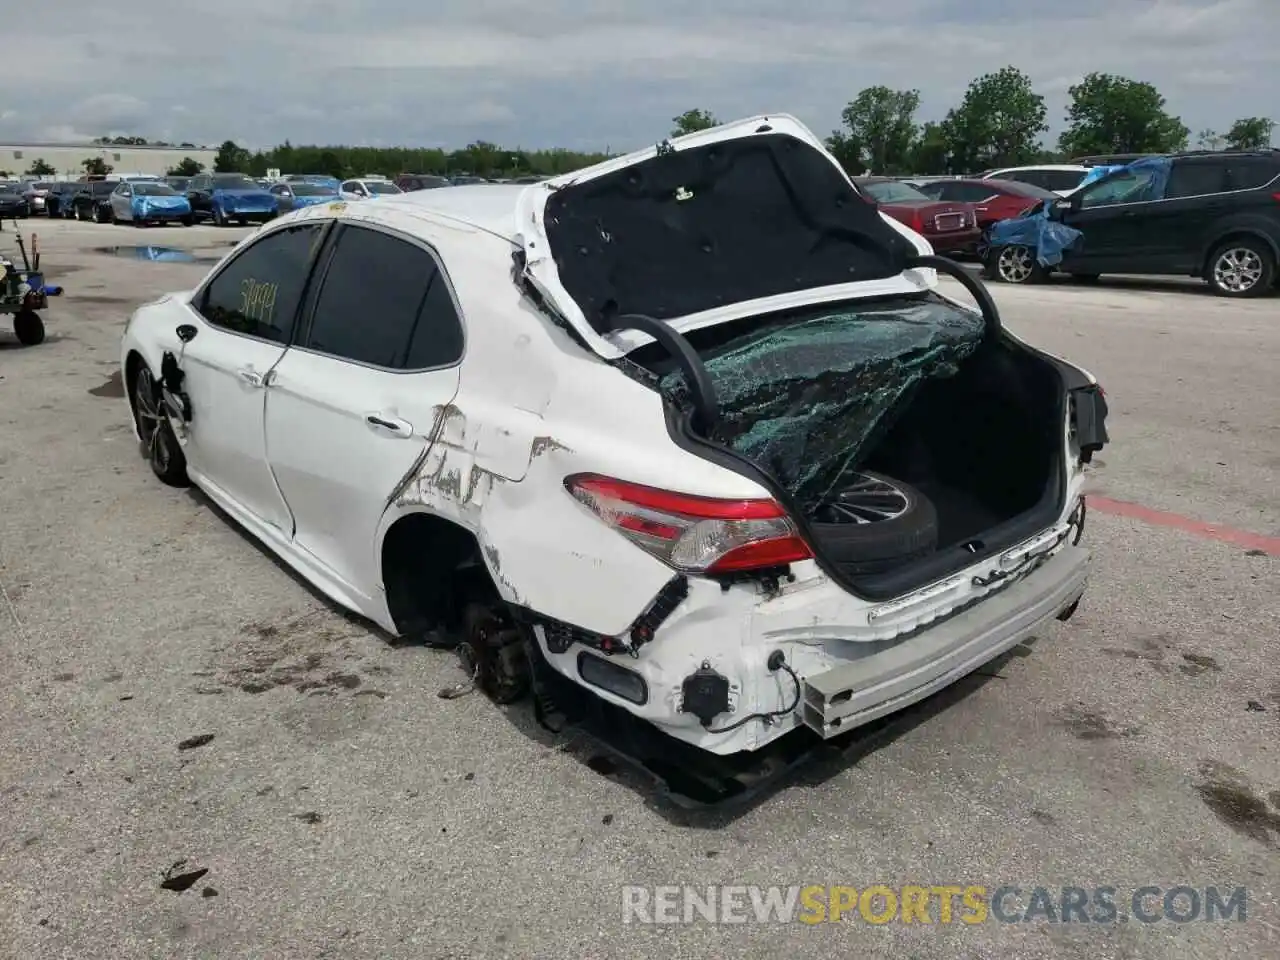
604 73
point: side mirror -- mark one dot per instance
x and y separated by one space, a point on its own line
187 332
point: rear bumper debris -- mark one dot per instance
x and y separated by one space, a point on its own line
838 700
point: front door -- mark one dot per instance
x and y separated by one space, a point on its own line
246 314
351 408
1114 214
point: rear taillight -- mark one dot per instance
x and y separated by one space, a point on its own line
693 534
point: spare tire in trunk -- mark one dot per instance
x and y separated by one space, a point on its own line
874 524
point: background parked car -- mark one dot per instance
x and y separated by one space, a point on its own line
36 192
951 228
1209 215
467 179
409 182
1061 178
93 201
993 200
223 197
365 188
140 202
296 194
58 202
178 183
12 201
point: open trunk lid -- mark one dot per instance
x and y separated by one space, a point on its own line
750 217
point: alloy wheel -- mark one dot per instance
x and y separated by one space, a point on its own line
867 500
1015 264
1237 269
151 421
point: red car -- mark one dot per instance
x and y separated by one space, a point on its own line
950 227
993 200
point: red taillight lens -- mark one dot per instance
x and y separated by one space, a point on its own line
691 533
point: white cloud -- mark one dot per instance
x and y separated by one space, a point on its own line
610 72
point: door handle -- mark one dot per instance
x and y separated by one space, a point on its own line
400 428
251 377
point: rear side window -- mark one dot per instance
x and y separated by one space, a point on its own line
967 192
1058 179
385 303
1249 173
1194 179
258 292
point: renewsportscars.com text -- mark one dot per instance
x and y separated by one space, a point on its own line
933 904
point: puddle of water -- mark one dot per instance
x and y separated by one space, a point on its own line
114 387
157 254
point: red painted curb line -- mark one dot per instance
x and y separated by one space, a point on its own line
1175 521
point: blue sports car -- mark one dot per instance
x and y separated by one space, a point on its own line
295 194
139 202
224 197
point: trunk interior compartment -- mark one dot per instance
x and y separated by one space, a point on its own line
905 440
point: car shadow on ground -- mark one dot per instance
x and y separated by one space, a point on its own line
806 761
1183 285
676 792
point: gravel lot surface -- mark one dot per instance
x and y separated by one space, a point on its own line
172 694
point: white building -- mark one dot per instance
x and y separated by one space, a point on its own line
68 158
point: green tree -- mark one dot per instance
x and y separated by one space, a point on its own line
1111 114
929 152
998 123
691 121
1250 133
96 167
879 129
41 169
187 168
231 158
1208 139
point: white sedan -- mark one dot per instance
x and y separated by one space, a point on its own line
555 426
368 188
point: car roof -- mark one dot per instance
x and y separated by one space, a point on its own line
487 206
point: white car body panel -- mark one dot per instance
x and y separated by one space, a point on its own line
488 444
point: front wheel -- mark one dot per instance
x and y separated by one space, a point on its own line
1241 268
159 443
28 328
187 220
1015 264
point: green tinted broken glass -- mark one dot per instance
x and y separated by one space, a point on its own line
807 397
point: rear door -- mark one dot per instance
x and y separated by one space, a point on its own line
1175 228
351 408
246 313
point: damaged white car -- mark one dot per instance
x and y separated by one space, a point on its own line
692 431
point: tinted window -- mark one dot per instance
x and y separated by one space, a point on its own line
1247 173
258 292
1194 178
967 192
381 304
1123 186
890 191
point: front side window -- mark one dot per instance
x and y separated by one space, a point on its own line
377 305
1123 186
258 292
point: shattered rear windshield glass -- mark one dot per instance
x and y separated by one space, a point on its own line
809 393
